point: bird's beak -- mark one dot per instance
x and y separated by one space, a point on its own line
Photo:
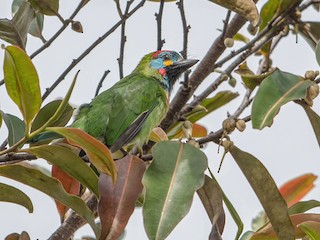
177 68
183 65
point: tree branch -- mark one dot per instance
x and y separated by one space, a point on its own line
101 81
89 49
159 26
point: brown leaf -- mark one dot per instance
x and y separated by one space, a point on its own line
211 198
117 200
69 184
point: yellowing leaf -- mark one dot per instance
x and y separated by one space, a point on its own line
297 188
97 152
158 135
22 83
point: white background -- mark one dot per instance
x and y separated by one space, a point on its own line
288 149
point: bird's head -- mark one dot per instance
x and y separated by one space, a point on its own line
166 66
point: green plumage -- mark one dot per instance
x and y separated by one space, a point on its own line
125 114
112 111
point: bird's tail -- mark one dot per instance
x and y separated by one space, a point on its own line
44 137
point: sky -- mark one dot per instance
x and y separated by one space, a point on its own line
287 149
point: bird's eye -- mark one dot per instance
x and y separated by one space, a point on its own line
166 57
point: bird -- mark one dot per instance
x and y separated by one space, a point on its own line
125 114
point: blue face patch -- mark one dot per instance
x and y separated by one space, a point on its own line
161 57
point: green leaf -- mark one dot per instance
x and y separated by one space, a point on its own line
14 195
50 186
318 52
314 119
249 78
46 7
176 172
68 161
267 192
15 31
206 107
48 111
16 128
22 83
245 8
97 152
312 229
276 90
241 38
117 201
303 206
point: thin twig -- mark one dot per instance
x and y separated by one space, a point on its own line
159 26
11 158
89 49
123 36
203 69
101 81
185 28
225 24
57 34
222 77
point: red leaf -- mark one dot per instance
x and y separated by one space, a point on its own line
117 201
297 188
69 184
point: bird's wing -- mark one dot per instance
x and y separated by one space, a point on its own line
120 111
131 131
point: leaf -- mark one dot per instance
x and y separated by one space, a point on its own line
50 186
36 25
297 188
46 7
303 206
240 37
249 78
310 32
176 172
267 232
311 228
317 51
48 111
70 185
206 107
14 195
211 104
211 197
245 8
197 132
98 153
69 162
16 128
158 135
117 201
267 192
314 119
276 90
15 31
22 83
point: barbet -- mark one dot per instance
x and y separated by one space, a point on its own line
126 113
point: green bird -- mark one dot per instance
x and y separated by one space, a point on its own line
126 113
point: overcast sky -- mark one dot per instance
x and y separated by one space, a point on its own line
288 149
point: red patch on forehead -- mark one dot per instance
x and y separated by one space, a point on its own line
155 54
162 71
